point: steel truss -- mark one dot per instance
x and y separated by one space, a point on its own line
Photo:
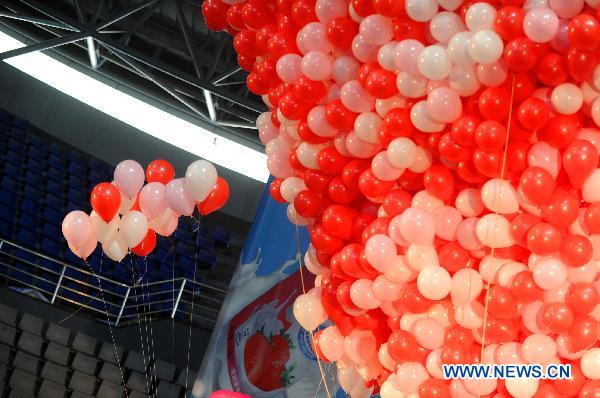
103 31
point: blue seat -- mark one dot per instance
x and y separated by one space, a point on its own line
77 182
13 171
11 184
50 265
51 247
76 168
15 158
75 195
7 213
53 230
57 161
207 259
96 177
97 165
35 152
29 191
59 151
55 174
205 243
185 264
24 255
75 156
165 273
8 197
30 206
122 274
35 164
56 188
20 123
54 201
36 141
53 215
33 178
16 143
30 223
185 249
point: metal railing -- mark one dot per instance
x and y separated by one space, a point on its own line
110 300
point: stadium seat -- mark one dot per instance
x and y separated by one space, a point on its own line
137 381
164 370
54 372
85 363
23 381
30 343
8 314
135 361
167 390
84 343
31 324
58 334
109 390
51 389
26 362
82 382
58 353
110 372
4 353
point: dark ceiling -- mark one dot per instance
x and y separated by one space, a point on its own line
159 47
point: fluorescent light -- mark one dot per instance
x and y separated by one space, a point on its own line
139 114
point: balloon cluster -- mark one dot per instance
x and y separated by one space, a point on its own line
127 214
444 156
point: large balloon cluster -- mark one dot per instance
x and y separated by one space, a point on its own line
444 156
127 214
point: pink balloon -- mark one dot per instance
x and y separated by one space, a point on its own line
407 53
540 24
358 148
316 65
179 197
344 68
360 346
152 200
278 164
447 220
380 252
356 98
331 343
326 10
386 290
444 104
383 169
86 249
376 29
429 333
129 177
417 226
313 37
318 124
361 294
77 229
166 223
289 67
363 51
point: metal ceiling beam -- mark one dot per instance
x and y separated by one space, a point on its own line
124 14
44 45
37 21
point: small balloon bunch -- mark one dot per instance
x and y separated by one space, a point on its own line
444 156
127 214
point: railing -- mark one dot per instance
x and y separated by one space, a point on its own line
106 298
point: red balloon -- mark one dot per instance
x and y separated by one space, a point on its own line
330 161
263 35
324 241
246 62
584 32
413 300
537 185
309 90
458 335
293 107
340 193
434 388
377 226
160 171
583 333
557 317
235 17
215 14
576 250
580 159
439 182
245 43
452 151
405 28
509 22
257 84
337 220
591 218
562 208
487 163
349 259
552 69
453 257
275 190
303 12
581 64
516 156
560 131
494 103
396 202
543 239
389 8
524 289
520 226
339 117
106 200
381 84
146 246
463 130
216 198
402 346
307 204
520 55
341 31
490 135
363 8
591 389
372 186
582 297
501 303
571 386
454 353
533 114
316 181
257 13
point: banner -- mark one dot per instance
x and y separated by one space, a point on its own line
257 347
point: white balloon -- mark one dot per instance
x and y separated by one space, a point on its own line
445 25
421 10
104 231
200 178
480 16
434 63
116 248
458 49
590 364
485 47
134 227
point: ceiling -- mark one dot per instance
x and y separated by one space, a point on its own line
159 47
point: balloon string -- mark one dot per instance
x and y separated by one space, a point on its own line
312 336
502 173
